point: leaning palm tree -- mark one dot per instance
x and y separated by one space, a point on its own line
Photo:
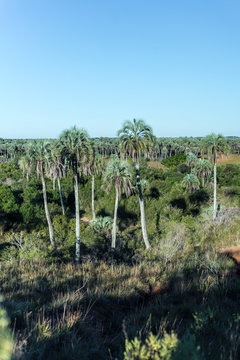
190 182
203 169
214 145
118 174
40 154
76 147
135 138
96 168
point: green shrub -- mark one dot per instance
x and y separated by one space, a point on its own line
167 348
174 160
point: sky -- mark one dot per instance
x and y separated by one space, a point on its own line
96 63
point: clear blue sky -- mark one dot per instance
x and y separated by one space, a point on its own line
96 63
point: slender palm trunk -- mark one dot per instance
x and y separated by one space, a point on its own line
54 180
114 228
50 226
60 194
93 207
77 254
142 209
215 192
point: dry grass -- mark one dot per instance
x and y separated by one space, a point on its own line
157 165
232 159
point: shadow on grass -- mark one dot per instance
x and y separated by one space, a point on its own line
88 324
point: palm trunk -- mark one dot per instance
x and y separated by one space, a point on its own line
60 194
77 254
142 210
93 208
215 192
54 180
50 226
114 228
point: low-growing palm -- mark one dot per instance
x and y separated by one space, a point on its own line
118 174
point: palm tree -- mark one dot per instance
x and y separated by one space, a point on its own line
214 145
76 147
190 182
134 138
203 169
96 168
119 174
25 164
40 154
56 169
191 160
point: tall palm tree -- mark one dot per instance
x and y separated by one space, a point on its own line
40 154
56 169
76 147
203 169
118 174
214 145
135 137
96 168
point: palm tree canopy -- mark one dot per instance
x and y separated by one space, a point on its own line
119 174
213 145
96 163
135 137
40 152
75 145
203 167
191 182
191 160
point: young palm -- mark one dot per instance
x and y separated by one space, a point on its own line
214 145
40 154
135 138
118 174
76 147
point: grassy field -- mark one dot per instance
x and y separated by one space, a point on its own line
63 311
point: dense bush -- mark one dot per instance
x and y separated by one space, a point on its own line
174 160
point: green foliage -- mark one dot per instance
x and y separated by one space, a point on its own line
8 203
6 342
166 348
9 171
174 160
229 175
152 349
191 182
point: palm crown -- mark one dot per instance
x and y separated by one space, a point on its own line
135 137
